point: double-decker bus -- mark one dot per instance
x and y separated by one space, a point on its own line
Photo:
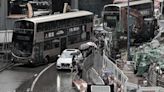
115 20
40 39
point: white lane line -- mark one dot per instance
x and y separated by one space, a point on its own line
36 79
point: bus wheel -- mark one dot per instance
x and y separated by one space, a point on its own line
46 60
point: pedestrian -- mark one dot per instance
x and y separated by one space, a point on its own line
111 82
105 78
73 62
80 70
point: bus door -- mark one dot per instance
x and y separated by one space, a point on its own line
63 44
39 52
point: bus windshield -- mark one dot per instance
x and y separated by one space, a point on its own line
22 40
110 21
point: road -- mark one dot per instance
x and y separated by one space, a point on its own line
12 78
55 81
20 79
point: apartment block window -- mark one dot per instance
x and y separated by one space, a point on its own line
17 7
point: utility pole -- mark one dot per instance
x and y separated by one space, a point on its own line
128 40
153 8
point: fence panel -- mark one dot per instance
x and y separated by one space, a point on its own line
88 64
95 77
98 62
109 65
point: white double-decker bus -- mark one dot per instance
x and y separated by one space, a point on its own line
40 39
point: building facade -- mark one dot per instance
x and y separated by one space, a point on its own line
8 14
94 6
3 14
12 10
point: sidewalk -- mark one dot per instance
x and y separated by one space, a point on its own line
128 70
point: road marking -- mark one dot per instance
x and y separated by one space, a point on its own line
36 79
35 75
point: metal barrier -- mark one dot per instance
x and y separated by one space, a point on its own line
88 64
98 63
91 68
95 64
118 74
95 77
116 71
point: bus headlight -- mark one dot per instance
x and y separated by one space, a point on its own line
30 61
12 60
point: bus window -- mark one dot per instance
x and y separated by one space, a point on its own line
73 39
83 36
51 44
111 21
48 45
24 48
24 25
55 43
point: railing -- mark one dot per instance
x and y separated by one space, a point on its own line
95 77
90 73
93 70
109 65
119 75
98 63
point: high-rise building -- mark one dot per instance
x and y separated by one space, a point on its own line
94 6
12 10
57 5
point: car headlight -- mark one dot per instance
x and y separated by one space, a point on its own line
58 63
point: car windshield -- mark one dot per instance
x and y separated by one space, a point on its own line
66 55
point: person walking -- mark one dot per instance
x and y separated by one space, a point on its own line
73 63
80 70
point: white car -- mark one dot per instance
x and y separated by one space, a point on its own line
65 59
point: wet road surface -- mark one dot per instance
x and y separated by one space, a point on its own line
55 81
12 78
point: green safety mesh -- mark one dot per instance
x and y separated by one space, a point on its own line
146 54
